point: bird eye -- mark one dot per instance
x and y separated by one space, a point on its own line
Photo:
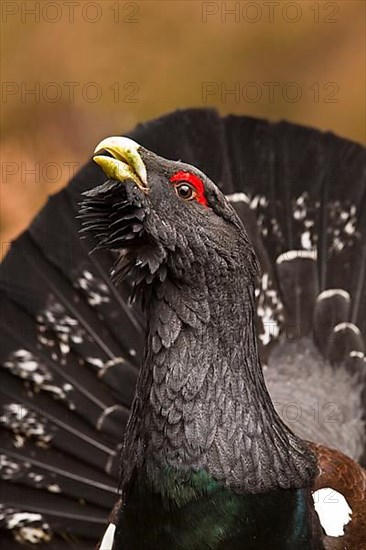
189 186
185 191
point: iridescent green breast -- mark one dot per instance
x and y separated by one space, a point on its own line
189 511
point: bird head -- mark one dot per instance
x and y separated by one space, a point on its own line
164 217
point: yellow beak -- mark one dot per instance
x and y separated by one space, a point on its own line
127 162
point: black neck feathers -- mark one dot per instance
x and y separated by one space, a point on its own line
201 401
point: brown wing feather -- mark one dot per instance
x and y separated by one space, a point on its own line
341 473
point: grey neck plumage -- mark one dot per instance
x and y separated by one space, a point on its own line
201 400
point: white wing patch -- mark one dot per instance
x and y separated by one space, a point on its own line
333 511
107 541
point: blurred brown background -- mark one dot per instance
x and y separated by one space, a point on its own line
74 72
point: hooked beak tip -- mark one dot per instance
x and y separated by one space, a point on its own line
126 162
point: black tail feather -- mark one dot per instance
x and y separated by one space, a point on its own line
64 514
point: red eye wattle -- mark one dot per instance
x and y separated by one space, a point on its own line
194 181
